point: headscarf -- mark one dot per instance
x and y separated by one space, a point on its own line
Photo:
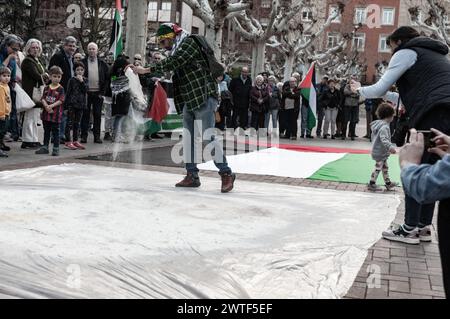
172 31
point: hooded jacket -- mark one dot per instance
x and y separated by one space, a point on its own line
381 137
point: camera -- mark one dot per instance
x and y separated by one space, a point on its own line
428 139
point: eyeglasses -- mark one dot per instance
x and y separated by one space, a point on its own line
15 49
138 59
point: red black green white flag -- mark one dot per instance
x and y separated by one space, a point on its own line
308 91
116 43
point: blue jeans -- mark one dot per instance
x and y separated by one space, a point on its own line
274 114
51 129
205 118
417 214
304 117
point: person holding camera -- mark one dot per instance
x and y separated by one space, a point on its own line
421 70
429 183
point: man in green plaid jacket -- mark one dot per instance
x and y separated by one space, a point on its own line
196 97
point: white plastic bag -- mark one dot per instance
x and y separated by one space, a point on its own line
23 101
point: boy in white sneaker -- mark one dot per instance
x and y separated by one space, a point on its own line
382 146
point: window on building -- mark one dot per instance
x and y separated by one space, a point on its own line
307 15
383 45
333 10
195 30
266 3
153 11
360 15
264 21
166 6
333 39
165 14
388 16
359 41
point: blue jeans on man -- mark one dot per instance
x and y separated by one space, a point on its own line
274 115
205 117
304 110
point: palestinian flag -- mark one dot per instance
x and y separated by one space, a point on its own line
309 162
158 110
116 43
308 91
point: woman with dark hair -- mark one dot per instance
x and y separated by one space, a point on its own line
420 68
121 98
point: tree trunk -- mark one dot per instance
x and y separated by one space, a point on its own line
136 37
288 66
258 57
214 37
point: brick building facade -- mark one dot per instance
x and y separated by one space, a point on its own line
369 40
378 19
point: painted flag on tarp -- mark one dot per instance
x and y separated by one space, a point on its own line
308 91
158 110
116 43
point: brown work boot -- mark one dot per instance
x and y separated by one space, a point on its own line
228 182
189 181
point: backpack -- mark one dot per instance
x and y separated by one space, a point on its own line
216 69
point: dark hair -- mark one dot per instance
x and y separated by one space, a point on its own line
11 39
55 70
4 70
78 65
403 34
385 110
119 66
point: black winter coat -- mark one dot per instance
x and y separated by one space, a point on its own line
103 75
330 99
76 95
255 95
60 59
241 92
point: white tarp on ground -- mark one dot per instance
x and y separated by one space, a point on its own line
277 162
98 232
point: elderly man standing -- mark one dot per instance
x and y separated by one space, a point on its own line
96 72
196 96
64 59
240 88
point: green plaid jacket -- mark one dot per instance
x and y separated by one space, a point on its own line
192 84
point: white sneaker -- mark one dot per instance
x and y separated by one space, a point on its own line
425 234
400 234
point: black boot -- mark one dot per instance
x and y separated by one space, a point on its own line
4 148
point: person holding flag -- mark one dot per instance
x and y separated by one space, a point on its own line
309 103
195 95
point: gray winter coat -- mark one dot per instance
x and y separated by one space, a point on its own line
381 137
